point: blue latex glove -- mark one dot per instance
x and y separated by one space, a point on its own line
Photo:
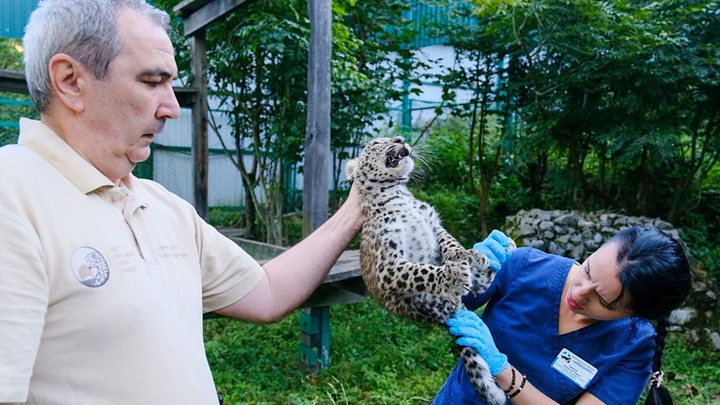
497 247
471 331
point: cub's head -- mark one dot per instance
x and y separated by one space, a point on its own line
384 159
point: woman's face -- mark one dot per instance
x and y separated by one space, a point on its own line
595 288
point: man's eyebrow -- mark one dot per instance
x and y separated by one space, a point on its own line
156 73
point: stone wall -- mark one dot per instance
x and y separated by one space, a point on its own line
578 234
570 233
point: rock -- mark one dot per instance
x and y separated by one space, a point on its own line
663 225
711 295
534 243
526 230
715 340
578 253
546 225
591 245
681 316
583 224
555 249
570 220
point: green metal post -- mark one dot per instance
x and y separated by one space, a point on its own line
315 338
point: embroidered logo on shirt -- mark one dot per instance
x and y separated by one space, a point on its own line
90 267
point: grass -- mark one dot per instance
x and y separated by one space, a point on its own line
378 359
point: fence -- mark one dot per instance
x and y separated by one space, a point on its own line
12 107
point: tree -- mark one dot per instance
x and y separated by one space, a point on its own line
617 100
257 66
477 68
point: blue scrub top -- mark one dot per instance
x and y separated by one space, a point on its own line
522 314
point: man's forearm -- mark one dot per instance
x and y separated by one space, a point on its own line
296 273
291 277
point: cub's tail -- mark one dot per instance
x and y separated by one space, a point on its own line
480 377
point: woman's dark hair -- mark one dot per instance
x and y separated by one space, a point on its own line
655 271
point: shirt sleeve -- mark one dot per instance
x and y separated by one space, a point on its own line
24 296
624 383
228 272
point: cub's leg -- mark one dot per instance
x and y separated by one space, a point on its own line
480 377
480 272
451 250
423 307
452 279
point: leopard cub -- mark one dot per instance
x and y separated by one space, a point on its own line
409 262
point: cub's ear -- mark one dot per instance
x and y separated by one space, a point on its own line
350 168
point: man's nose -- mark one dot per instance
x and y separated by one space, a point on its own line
169 107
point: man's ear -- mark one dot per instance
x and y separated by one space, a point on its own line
68 78
350 168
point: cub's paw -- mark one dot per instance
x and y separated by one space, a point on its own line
478 261
459 279
457 255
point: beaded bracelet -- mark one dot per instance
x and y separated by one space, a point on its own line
522 385
512 383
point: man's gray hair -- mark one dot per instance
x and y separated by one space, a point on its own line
86 30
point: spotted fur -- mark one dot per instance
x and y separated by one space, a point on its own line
409 262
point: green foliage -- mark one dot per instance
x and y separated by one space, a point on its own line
377 359
219 217
380 359
444 155
616 102
444 181
369 58
458 212
11 54
12 105
702 233
693 374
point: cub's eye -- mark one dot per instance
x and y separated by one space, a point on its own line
152 84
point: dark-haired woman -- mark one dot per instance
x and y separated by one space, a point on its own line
555 331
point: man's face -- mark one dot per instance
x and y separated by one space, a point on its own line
129 107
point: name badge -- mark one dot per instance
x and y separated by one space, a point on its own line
573 367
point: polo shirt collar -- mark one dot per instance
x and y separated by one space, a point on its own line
45 142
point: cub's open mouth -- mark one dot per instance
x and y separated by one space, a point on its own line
394 157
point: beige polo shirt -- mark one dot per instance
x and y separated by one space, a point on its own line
103 288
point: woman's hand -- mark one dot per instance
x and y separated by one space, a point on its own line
497 247
471 331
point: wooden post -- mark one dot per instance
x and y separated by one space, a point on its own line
199 150
317 166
